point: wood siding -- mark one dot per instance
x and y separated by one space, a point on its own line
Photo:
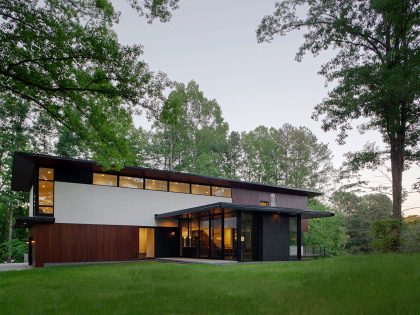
61 243
253 197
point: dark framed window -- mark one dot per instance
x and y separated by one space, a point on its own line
131 182
105 179
221 192
179 187
45 191
264 203
154 184
200 189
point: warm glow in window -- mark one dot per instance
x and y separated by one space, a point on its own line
221 192
104 179
264 203
46 210
46 193
179 187
46 173
200 190
154 184
131 182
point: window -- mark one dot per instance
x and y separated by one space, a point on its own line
200 190
264 203
45 191
153 184
221 192
179 187
104 179
131 182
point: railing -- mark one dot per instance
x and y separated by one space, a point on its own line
313 251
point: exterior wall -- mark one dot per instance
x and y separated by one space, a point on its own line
253 197
59 243
93 204
31 202
275 237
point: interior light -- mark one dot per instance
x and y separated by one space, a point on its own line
49 172
103 174
43 186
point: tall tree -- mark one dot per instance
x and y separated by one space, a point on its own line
190 134
376 70
63 57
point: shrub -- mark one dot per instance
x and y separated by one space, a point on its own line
16 247
385 234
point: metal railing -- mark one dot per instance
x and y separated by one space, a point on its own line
313 251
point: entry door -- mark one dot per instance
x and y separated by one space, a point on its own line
146 243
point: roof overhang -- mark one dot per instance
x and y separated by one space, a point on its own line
27 222
304 213
24 165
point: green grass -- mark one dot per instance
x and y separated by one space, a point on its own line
371 284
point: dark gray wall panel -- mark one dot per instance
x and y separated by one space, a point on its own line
275 237
166 242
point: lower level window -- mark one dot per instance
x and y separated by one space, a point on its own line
45 210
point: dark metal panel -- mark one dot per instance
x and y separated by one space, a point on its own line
166 242
254 197
72 175
276 236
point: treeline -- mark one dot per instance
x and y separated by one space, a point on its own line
189 134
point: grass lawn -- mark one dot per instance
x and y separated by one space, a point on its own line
371 284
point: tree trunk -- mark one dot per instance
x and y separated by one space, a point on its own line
397 166
10 234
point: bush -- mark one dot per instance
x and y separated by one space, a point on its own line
385 234
18 249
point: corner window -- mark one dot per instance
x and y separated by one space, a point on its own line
221 192
104 179
179 187
45 190
200 190
264 203
154 184
131 182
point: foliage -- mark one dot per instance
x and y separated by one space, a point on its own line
410 234
64 59
14 248
375 72
369 284
326 232
289 155
385 238
190 134
360 214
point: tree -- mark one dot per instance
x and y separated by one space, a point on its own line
376 71
289 155
191 133
13 136
63 58
326 232
360 215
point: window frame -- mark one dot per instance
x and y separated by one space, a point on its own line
160 180
36 193
179 192
141 178
209 186
99 173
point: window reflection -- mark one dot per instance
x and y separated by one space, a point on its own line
221 192
46 173
131 182
200 190
46 193
179 187
153 184
104 179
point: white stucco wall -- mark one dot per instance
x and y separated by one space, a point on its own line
92 204
31 202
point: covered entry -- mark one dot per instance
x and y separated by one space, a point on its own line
241 232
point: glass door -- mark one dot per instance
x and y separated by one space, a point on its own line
146 243
247 252
216 250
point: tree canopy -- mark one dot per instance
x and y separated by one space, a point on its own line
375 71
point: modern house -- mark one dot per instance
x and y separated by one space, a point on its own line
79 213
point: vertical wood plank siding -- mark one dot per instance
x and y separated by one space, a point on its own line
60 243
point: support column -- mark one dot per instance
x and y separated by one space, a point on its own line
299 237
238 236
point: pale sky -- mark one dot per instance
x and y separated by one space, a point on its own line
213 42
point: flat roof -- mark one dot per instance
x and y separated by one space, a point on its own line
304 213
24 166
